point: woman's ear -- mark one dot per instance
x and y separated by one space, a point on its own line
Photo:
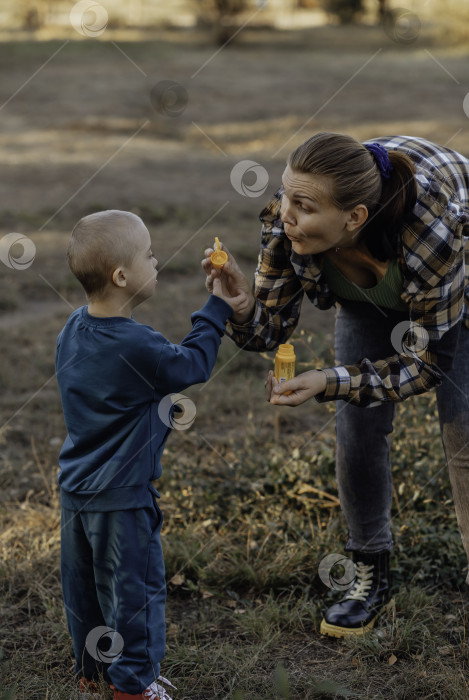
118 277
356 217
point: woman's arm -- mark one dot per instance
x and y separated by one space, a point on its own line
367 383
435 283
275 299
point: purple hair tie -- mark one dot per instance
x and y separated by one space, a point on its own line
382 159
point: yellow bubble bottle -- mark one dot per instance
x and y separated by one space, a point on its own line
218 258
285 364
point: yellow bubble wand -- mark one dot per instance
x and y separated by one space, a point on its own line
218 258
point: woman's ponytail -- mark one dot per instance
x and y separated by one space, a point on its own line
398 197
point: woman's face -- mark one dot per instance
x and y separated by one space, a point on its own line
311 220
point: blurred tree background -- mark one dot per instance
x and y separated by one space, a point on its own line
226 16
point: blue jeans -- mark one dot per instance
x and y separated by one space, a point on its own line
113 577
362 450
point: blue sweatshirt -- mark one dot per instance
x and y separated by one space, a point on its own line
112 374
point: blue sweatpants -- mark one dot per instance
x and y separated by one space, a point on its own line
113 577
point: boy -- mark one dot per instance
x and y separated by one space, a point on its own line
113 373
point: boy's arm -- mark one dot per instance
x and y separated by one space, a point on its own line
192 361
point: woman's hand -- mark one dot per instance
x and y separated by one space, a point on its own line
302 387
232 284
239 303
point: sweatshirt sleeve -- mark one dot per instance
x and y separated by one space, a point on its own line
192 361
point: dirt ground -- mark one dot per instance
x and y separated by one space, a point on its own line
256 99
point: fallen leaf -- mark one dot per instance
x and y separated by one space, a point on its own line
177 580
392 659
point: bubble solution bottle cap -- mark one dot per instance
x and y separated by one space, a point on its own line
286 352
218 258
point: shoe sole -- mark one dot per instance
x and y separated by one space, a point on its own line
89 694
339 632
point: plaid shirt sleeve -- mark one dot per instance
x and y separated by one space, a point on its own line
277 289
432 260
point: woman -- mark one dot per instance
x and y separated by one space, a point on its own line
379 228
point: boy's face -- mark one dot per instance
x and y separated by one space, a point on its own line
141 274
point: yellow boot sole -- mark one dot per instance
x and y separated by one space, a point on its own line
340 632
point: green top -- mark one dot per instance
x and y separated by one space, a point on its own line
386 293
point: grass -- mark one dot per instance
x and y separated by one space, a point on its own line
250 505
243 538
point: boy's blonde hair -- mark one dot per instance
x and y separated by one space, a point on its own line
99 244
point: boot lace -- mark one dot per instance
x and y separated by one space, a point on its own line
156 691
363 582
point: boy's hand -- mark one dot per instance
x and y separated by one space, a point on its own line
234 287
238 303
303 387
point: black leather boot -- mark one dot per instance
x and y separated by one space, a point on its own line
365 600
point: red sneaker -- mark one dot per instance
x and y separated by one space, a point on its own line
155 691
88 689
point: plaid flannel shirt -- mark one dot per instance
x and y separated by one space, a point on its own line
430 256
